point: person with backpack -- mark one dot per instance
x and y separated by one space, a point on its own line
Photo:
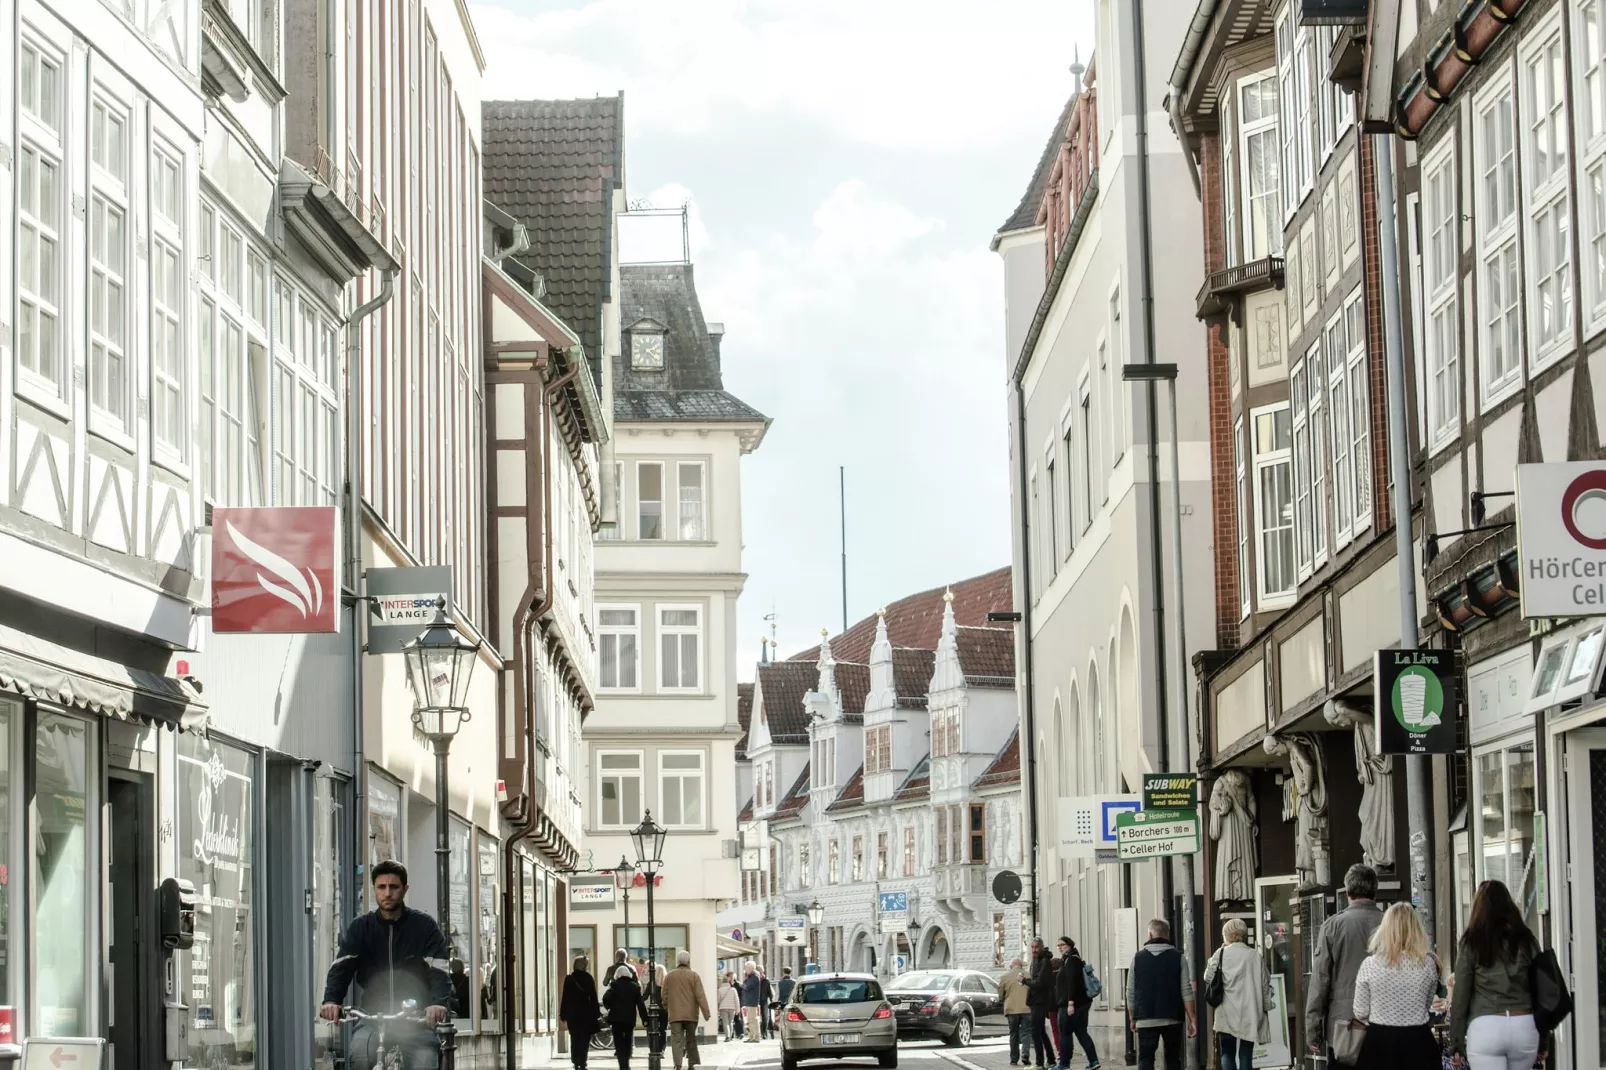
1239 991
1074 1004
1492 1007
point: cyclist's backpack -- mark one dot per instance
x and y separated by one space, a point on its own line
1091 979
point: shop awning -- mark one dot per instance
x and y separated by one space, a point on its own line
55 673
735 949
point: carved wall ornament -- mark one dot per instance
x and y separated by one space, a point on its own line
1312 857
1376 773
1232 827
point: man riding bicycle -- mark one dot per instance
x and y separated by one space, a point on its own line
398 957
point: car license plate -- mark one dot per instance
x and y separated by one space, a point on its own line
840 1038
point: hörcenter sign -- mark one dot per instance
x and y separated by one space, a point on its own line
1561 538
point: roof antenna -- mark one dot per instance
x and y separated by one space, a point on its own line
1078 68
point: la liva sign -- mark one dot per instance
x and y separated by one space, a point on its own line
276 570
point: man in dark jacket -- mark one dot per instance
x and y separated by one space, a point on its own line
784 989
395 955
1341 947
1073 1004
1040 998
1159 993
752 1000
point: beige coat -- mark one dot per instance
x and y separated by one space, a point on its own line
683 995
1012 986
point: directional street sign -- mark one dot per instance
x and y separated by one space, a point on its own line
894 902
1157 834
793 932
892 924
62 1053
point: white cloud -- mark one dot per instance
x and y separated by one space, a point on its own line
892 73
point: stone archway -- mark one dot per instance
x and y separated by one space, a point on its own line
859 952
937 951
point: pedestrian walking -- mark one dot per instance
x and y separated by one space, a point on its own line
1159 995
1073 1006
685 1004
578 1010
730 1006
752 1001
1012 987
1394 993
1341 947
783 991
1491 1010
1040 1000
624 1002
1242 1019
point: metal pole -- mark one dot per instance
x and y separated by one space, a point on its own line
1190 924
1419 804
655 1040
443 890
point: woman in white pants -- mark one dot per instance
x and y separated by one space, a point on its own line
1491 1010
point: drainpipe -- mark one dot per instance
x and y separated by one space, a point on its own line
354 499
1029 729
1197 29
536 602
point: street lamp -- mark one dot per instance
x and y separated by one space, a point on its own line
816 915
649 839
624 874
440 663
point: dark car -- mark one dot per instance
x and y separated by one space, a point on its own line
951 1005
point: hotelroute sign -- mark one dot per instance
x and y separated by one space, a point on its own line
1156 834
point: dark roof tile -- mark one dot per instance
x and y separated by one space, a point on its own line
852 795
1005 768
782 685
917 785
987 656
793 802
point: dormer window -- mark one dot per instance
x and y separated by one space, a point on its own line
647 345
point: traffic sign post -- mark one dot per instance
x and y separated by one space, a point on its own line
894 902
1156 834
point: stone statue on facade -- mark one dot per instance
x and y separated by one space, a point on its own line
1312 859
1376 773
1232 827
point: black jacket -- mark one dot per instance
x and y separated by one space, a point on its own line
578 1009
624 1000
1070 984
1040 985
392 962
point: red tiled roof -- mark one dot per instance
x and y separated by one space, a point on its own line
917 785
987 655
797 798
911 675
852 795
853 681
747 812
1005 768
744 717
783 685
916 621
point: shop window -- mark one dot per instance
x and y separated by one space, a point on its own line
384 827
328 901
529 926
1568 667
667 942
217 976
489 984
10 723
1503 787
460 919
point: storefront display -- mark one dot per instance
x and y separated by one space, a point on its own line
384 826
489 986
216 838
64 797
10 723
328 895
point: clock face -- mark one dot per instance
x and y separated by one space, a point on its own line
647 350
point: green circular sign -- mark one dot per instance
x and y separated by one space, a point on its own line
1418 699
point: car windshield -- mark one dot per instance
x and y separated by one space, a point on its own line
922 982
845 991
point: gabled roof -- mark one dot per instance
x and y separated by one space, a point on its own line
851 796
554 165
911 676
917 785
916 621
690 385
744 717
853 681
793 801
987 655
782 685
1005 767
1025 213
747 812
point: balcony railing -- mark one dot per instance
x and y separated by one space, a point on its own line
1223 290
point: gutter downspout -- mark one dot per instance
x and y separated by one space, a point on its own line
1030 727
1197 29
536 602
354 499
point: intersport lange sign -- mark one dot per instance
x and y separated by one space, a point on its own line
276 570
1561 538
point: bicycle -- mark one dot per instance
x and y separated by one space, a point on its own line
385 1057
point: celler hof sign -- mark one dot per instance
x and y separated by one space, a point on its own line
1561 538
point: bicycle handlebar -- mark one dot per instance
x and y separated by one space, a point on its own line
354 1014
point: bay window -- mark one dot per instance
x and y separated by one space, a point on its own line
1439 287
1230 191
618 647
1545 160
1274 513
1287 91
1303 544
1241 498
680 648
42 210
1317 424
1260 183
1360 399
1495 153
1591 125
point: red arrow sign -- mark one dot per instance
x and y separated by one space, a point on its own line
59 1056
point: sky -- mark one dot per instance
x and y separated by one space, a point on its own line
845 164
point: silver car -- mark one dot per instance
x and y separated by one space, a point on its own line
838 1016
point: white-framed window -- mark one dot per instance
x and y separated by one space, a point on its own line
833 863
1360 405
42 217
235 372
169 282
1035 542
1085 465
1065 518
1442 254
649 500
1544 161
1494 149
1288 93
1315 396
305 416
693 486
1261 181
1056 532
619 647
805 864
110 387
1274 503
1230 191
1590 117
681 788
1304 545
1241 476
680 642
1120 395
878 749
858 859
619 788
1338 436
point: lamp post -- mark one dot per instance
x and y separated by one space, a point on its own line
623 874
440 663
649 837
816 915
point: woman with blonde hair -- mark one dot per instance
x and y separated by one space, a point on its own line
1394 994
1241 1018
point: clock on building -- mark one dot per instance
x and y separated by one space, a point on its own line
647 349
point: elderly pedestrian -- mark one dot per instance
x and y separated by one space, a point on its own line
1012 986
685 1004
1341 947
1242 1020
624 1002
730 1005
578 1011
752 1001
1159 994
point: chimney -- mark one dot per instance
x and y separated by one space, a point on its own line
716 331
